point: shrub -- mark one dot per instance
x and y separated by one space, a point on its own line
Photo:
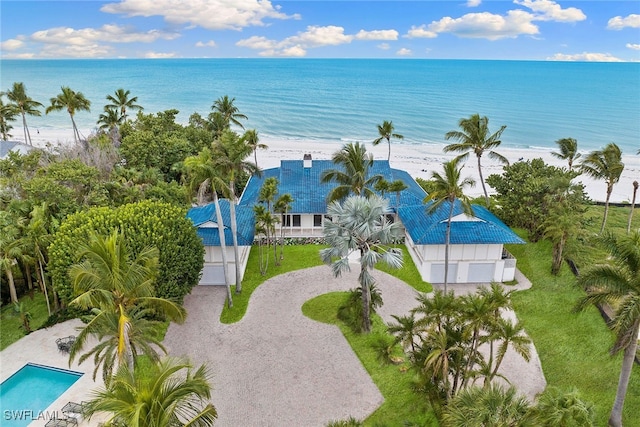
351 311
146 223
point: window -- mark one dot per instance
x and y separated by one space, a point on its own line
317 220
296 220
286 220
291 220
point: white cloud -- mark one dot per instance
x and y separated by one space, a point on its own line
210 43
209 14
585 57
316 36
106 33
403 52
384 46
17 55
258 42
421 32
473 3
633 46
159 55
94 50
377 35
487 25
11 44
618 22
296 51
548 10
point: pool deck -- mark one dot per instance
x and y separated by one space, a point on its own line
41 348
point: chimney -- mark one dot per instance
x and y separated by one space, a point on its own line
306 161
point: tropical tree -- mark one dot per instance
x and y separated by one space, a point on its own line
38 233
557 408
121 101
360 225
633 205
230 113
447 189
354 174
265 225
267 195
109 122
568 150
169 394
10 247
72 101
231 152
252 139
282 206
385 130
474 137
25 105
606 165
8 114
203 176
120 289
617 282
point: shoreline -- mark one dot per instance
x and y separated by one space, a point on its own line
419 160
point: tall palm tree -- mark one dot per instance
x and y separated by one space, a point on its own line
202 175
447 189
282 206
8 114
25 105
231 114
38 233
231 152
121 101
605 164
474 137
360 225
109 279
354 175
267 195
251 136
385 130
617 282
109 121
72 101
568 151
10 248
633 205
169 394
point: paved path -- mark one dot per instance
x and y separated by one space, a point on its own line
277 367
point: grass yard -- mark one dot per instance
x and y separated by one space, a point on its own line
10 324
408 273
401 405
573 347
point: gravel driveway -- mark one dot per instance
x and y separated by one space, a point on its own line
277 367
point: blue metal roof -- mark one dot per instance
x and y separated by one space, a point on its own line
210 235
310 195
429 228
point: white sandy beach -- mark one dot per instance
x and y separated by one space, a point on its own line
417 159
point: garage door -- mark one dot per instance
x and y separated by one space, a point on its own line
481 272
437 273
212 275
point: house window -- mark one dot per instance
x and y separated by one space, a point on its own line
317 220
296 220
291 220
286 220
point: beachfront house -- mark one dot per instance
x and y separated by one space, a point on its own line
477 253
204 218
17 147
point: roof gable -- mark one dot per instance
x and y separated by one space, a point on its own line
204 217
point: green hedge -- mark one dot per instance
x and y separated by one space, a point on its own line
146 223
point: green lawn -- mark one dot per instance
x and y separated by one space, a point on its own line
573 347
10 324
408 273
401 405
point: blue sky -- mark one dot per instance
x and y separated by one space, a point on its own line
465 29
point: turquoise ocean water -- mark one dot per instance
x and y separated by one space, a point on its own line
344 99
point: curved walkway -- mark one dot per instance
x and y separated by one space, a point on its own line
277 367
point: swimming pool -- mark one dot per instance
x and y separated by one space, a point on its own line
25 395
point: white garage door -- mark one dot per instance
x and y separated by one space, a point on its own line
481 272
212 275
437 273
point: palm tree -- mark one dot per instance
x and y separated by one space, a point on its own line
385 130
474 137
265 225
202 174
40 238
633 205
509 334
108 279
605 164
282 206
231 153
8 114
10 248
360 225
617 282
120 101
230 113
267 194
169 394
405 329
558 408
71 101
448 189
25 105
251 136
109 121
568 150
354 175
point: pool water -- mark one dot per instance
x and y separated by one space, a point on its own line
25 396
